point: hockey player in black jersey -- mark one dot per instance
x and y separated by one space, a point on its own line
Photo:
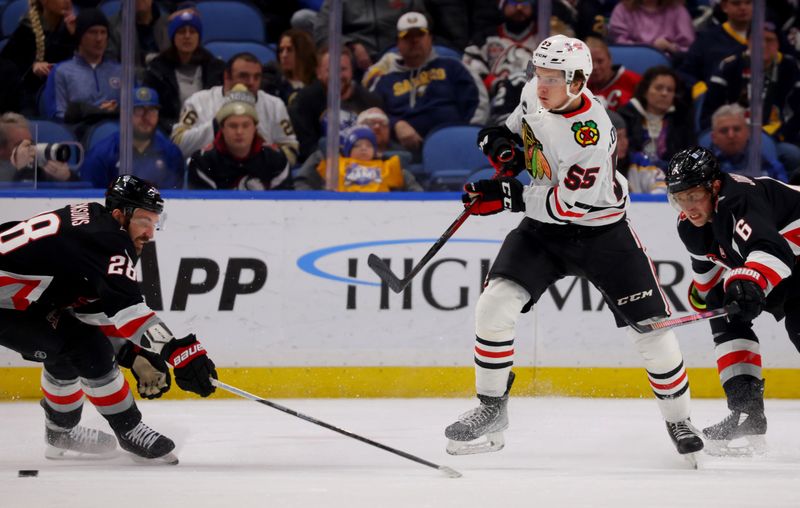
575 224
743 236
67 286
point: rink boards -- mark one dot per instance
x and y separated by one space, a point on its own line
280 293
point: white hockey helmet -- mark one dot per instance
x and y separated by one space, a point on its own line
565 54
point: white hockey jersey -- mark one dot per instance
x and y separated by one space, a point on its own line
195 129
571 159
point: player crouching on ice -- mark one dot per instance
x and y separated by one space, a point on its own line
742 236
67 285
574 224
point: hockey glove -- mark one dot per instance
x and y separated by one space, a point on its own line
493 196
746 286
696 300
498 143
150 371
191 365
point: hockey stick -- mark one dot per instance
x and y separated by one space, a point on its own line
393 281
730 309
451 473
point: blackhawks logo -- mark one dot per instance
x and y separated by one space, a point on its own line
586 133
535 162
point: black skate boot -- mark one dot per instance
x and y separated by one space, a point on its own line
686 439
147 445
489 419
742 432
78 442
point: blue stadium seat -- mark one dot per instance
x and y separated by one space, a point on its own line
638 58
449 156
46 131
232 21
110 7
226 49
100 131
12 13
768 147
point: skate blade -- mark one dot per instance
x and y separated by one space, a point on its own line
169 459
747 446
693 459
494 442
54 453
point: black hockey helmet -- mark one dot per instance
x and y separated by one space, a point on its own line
129 192
692 167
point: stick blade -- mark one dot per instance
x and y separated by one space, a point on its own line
386 275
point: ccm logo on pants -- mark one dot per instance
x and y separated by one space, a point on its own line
634 297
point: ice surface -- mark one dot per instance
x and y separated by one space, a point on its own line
559 452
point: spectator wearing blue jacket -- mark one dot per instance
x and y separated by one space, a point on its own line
422 90
155 157
87 87
730 142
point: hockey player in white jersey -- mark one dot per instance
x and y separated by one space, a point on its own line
575 224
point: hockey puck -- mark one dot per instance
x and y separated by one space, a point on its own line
28 473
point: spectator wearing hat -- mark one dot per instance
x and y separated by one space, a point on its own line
196 126
43 38
149 37
421 90
239 158
361 168
87 87
184 68
155 157
308 110
368 26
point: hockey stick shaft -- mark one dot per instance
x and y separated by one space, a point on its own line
666 324
393 281
452 473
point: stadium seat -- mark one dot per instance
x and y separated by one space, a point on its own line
449 156
100 131
46 131
638 58
768 147
110 7
232 21
226 49
12 13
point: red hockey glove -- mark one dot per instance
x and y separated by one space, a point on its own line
493 196
190 364
746 287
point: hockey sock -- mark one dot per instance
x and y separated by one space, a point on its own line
496 316
665 371
112 397
738 356
62 402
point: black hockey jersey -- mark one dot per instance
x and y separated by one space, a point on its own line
77 258
756 224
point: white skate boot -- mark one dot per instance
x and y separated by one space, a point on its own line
489 419
78 442
147 445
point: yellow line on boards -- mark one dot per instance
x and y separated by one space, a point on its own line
410 382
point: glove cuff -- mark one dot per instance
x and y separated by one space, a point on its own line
748 274
695 300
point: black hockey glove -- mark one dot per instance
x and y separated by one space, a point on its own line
191 365
493 196
746 286
499 144
150 371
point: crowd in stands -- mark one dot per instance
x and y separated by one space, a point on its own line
217 105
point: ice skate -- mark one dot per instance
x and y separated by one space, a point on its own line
489 419
740 434
77 443
686 440
147 445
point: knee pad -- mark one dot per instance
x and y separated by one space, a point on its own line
498 309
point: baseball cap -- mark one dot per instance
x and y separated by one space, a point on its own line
144 96
238 101
411 21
